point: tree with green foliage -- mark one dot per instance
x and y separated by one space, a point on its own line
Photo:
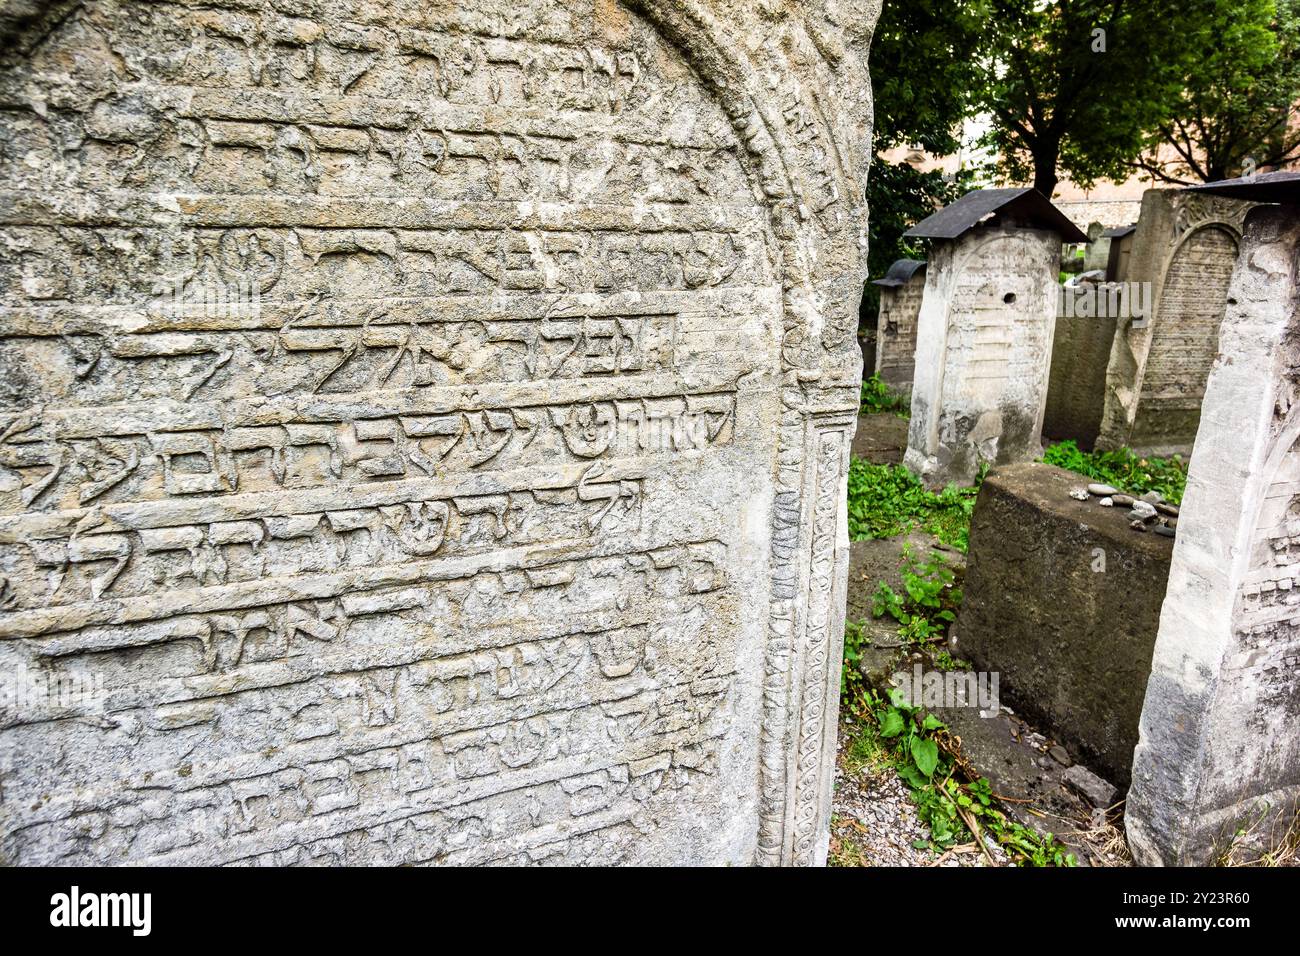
1238 111
1076 86
925 68
925 65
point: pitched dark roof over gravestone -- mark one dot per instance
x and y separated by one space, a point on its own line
1025 206
1119 232
1262 187
900 273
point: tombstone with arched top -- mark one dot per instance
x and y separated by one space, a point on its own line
423 427
1184 249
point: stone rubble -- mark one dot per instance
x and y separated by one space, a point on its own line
874 822
1150 512
1091 787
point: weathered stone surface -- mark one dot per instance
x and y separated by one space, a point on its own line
1062 599
1219 749
1120 253
900 303
423 428
1091 787
1185 246
984 342
1096 255
1081 346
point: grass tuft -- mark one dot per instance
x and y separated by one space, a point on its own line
1123 469
888 500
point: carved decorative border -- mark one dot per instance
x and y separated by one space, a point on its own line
791 77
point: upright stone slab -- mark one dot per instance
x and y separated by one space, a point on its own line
1219 748
901 289
1081 346
1097 254
984 335
1184 249
424 428
1120 252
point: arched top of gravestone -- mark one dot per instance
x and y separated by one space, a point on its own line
449 296
791 78
1023 206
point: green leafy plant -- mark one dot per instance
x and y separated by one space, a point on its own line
1123 469
876 398
853 685
953 809
866 751
946 662
929 600
888 500
910 728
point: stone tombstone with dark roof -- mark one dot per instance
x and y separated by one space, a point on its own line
984 334
1219 749
901 289
424 428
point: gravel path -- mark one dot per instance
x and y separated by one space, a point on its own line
874 821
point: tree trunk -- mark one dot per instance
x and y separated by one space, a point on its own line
1046 152
1045 179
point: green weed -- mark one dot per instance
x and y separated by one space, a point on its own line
876 398
888 500
953 810
928 603
1123 469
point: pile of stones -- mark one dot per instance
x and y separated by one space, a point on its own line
1150 512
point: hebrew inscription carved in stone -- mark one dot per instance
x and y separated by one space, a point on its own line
423 428
1184 248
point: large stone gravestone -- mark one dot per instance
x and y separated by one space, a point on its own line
901 289
1069 636
424 428
984 335
1219 751
1086 324
1097 254
1183 252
